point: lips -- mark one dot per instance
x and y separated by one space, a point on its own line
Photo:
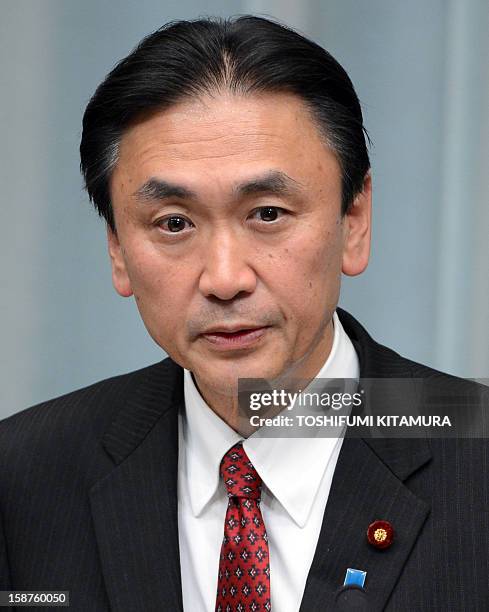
234 338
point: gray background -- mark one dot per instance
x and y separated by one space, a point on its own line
421 70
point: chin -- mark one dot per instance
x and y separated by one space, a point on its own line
229 380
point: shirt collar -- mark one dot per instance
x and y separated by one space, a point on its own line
279 461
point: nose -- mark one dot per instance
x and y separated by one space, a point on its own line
226 271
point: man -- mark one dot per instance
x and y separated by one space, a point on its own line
228 159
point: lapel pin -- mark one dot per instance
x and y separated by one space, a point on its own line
380 534
354 577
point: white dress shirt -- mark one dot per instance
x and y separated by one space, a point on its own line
296 473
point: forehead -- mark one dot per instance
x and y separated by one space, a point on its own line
225 137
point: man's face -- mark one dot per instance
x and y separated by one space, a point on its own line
231 238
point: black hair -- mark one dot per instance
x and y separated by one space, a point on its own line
247 54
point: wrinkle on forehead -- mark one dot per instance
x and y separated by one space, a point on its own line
231 147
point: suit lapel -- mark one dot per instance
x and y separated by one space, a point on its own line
134 508
364 489
368 485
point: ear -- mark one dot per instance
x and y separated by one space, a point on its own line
357 226
120 278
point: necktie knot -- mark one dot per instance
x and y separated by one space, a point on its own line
239 475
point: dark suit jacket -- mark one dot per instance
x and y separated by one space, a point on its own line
88 502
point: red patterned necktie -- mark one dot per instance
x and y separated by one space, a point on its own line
243 583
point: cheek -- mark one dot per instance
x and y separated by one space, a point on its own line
307 269
159 286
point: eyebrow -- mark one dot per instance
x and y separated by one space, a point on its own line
274 182
158 189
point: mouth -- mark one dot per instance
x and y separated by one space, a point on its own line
235 338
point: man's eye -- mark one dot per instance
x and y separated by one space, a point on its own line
174 224
268 213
